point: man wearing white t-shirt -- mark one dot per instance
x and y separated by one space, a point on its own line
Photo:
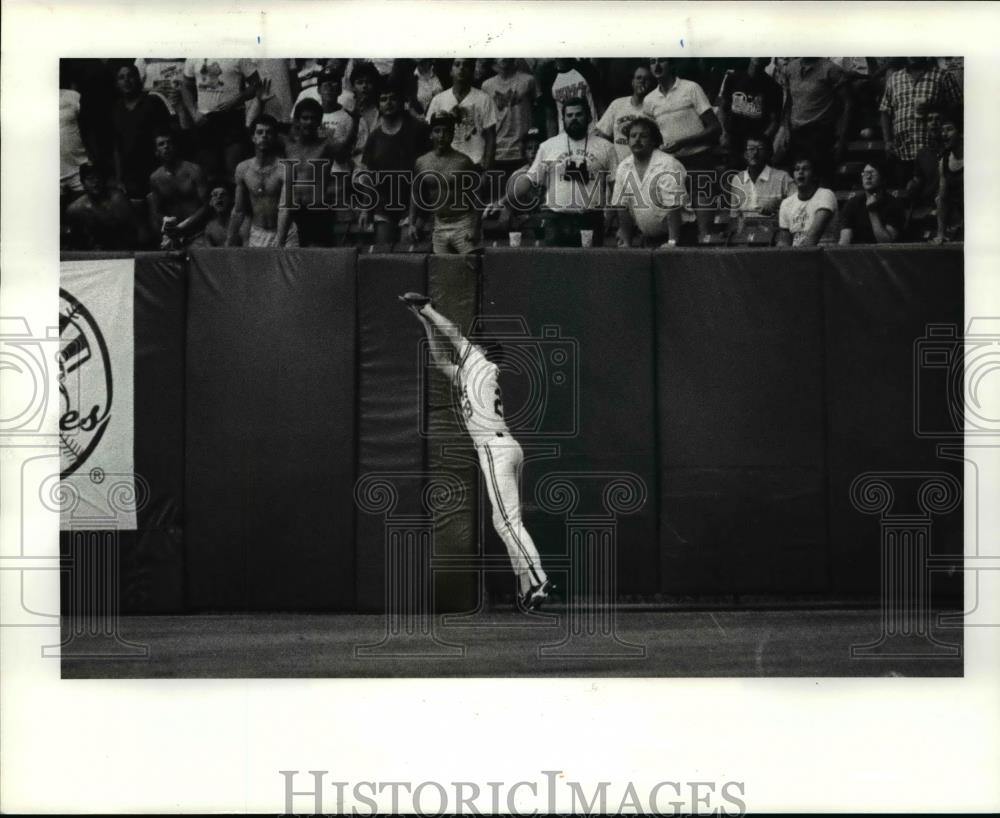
690 129
474 113
803 217
215 92
72 152
576 169
613 126
164 77
514 95
649 189
570 84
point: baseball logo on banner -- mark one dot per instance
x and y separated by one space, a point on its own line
85 383
96 361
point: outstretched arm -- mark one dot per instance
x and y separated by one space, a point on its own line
444 326
438 353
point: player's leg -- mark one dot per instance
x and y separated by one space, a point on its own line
500 465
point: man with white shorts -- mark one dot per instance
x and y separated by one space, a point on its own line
500 456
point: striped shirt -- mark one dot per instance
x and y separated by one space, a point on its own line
905 100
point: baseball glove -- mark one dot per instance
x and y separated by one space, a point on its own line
415 300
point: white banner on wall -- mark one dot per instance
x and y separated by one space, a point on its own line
95 391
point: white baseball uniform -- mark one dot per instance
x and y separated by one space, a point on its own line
500 458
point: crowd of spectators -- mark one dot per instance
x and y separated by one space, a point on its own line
454 154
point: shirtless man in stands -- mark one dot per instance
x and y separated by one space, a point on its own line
444 182
309 156
178 196
101 219
260 192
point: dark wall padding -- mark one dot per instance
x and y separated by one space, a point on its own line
746 389
271 402
160 326
389 404
600 306
454 286
879 303
740 407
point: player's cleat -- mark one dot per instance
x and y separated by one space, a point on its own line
415 300
534 597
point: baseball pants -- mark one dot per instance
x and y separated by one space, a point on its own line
501 464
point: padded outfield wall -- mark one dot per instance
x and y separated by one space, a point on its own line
745 389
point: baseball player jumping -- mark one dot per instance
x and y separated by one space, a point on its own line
500 456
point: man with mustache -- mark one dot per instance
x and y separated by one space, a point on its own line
576 168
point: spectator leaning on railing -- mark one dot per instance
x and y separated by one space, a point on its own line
804 216
178 195
576 169
760 189
649 190
872 216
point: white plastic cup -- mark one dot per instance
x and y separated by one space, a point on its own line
515 238
586 238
